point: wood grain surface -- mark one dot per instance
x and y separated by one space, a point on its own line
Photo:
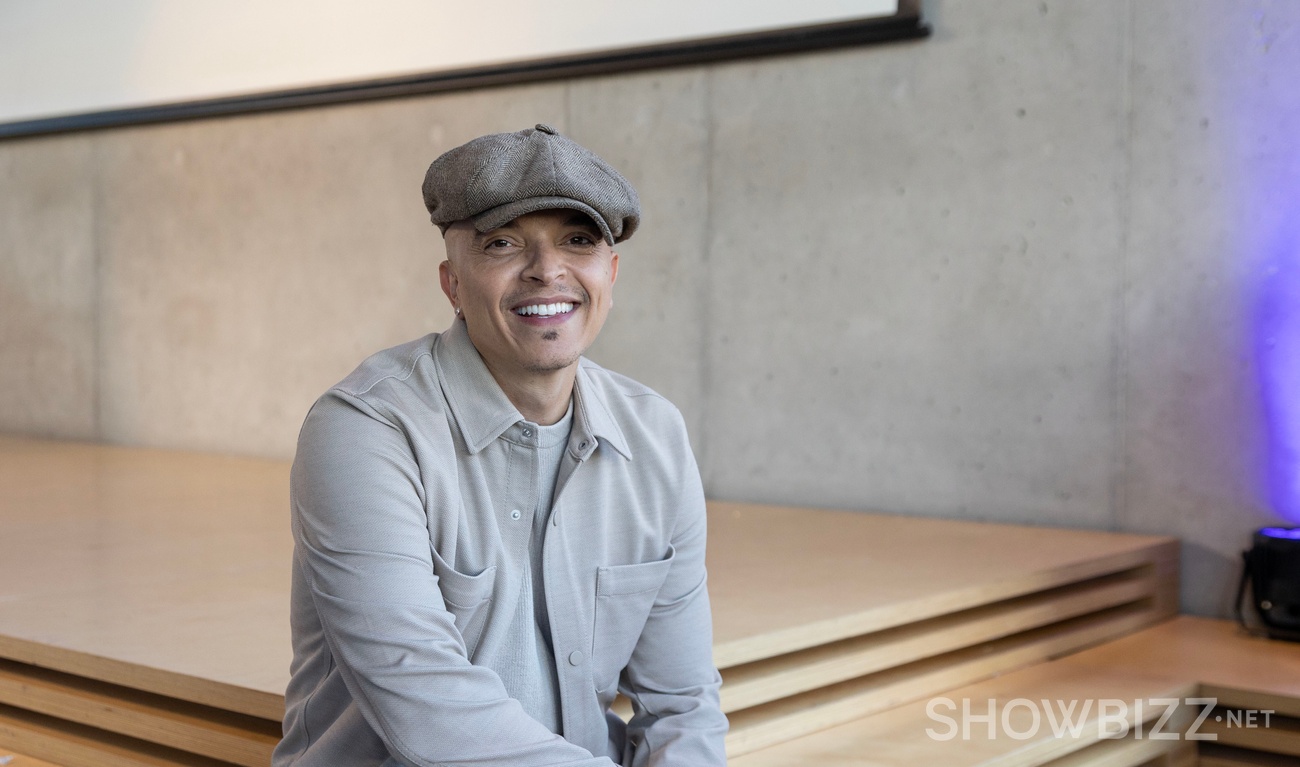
783 579
169 571
1183 658
10 758
153 569
149 604
899 737
1238 669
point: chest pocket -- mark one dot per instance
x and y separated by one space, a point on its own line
468 598
624 596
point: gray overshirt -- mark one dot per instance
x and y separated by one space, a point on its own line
407 540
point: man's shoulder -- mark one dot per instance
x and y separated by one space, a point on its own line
627 398
393 387
617 385
396 365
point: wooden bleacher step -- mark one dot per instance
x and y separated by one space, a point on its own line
767 680
1281 736
1129 752
908 735
790 718
224 735
206 693
11 758
787 579
1240 672
69 744
1197 662
1217 755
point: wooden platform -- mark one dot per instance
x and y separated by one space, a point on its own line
12 759
923 734
1187 661
145 621
1241 673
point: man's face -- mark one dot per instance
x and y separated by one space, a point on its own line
533 293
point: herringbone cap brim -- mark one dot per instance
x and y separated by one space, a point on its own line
495 179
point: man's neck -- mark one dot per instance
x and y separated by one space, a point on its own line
542 398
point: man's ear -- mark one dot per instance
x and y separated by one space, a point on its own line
613 277
447 278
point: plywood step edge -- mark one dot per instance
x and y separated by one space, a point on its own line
71 745
191 727
1160 551
764 681
793 717
183 687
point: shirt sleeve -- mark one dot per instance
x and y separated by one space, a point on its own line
362 541
670 678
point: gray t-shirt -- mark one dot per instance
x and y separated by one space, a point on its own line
526 661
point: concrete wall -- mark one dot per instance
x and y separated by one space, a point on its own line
1008 273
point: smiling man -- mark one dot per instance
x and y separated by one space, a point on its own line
494 535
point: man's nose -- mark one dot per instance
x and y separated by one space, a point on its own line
545 263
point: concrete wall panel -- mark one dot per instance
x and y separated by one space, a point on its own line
250 263
915 253
654 129
47 287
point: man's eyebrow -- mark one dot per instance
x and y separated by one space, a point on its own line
481 236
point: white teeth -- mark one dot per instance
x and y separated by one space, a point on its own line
544 310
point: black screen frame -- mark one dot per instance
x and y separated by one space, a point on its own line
906 24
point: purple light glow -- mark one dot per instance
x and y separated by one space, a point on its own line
1278 353
1289 533
1260 112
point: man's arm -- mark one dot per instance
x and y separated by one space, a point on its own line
360 527
671 679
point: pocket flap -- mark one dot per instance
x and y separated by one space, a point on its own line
635 578
460 589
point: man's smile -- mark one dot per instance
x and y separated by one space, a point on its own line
544 310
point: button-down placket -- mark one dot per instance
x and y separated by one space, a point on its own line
520 501
573 639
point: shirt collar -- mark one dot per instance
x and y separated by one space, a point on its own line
592 420
483 412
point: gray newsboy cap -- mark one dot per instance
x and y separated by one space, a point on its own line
498 178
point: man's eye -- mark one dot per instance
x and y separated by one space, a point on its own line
581 239
498 244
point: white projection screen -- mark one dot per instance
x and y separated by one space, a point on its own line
75 64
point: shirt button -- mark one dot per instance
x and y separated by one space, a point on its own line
528 432
515 514
575 658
